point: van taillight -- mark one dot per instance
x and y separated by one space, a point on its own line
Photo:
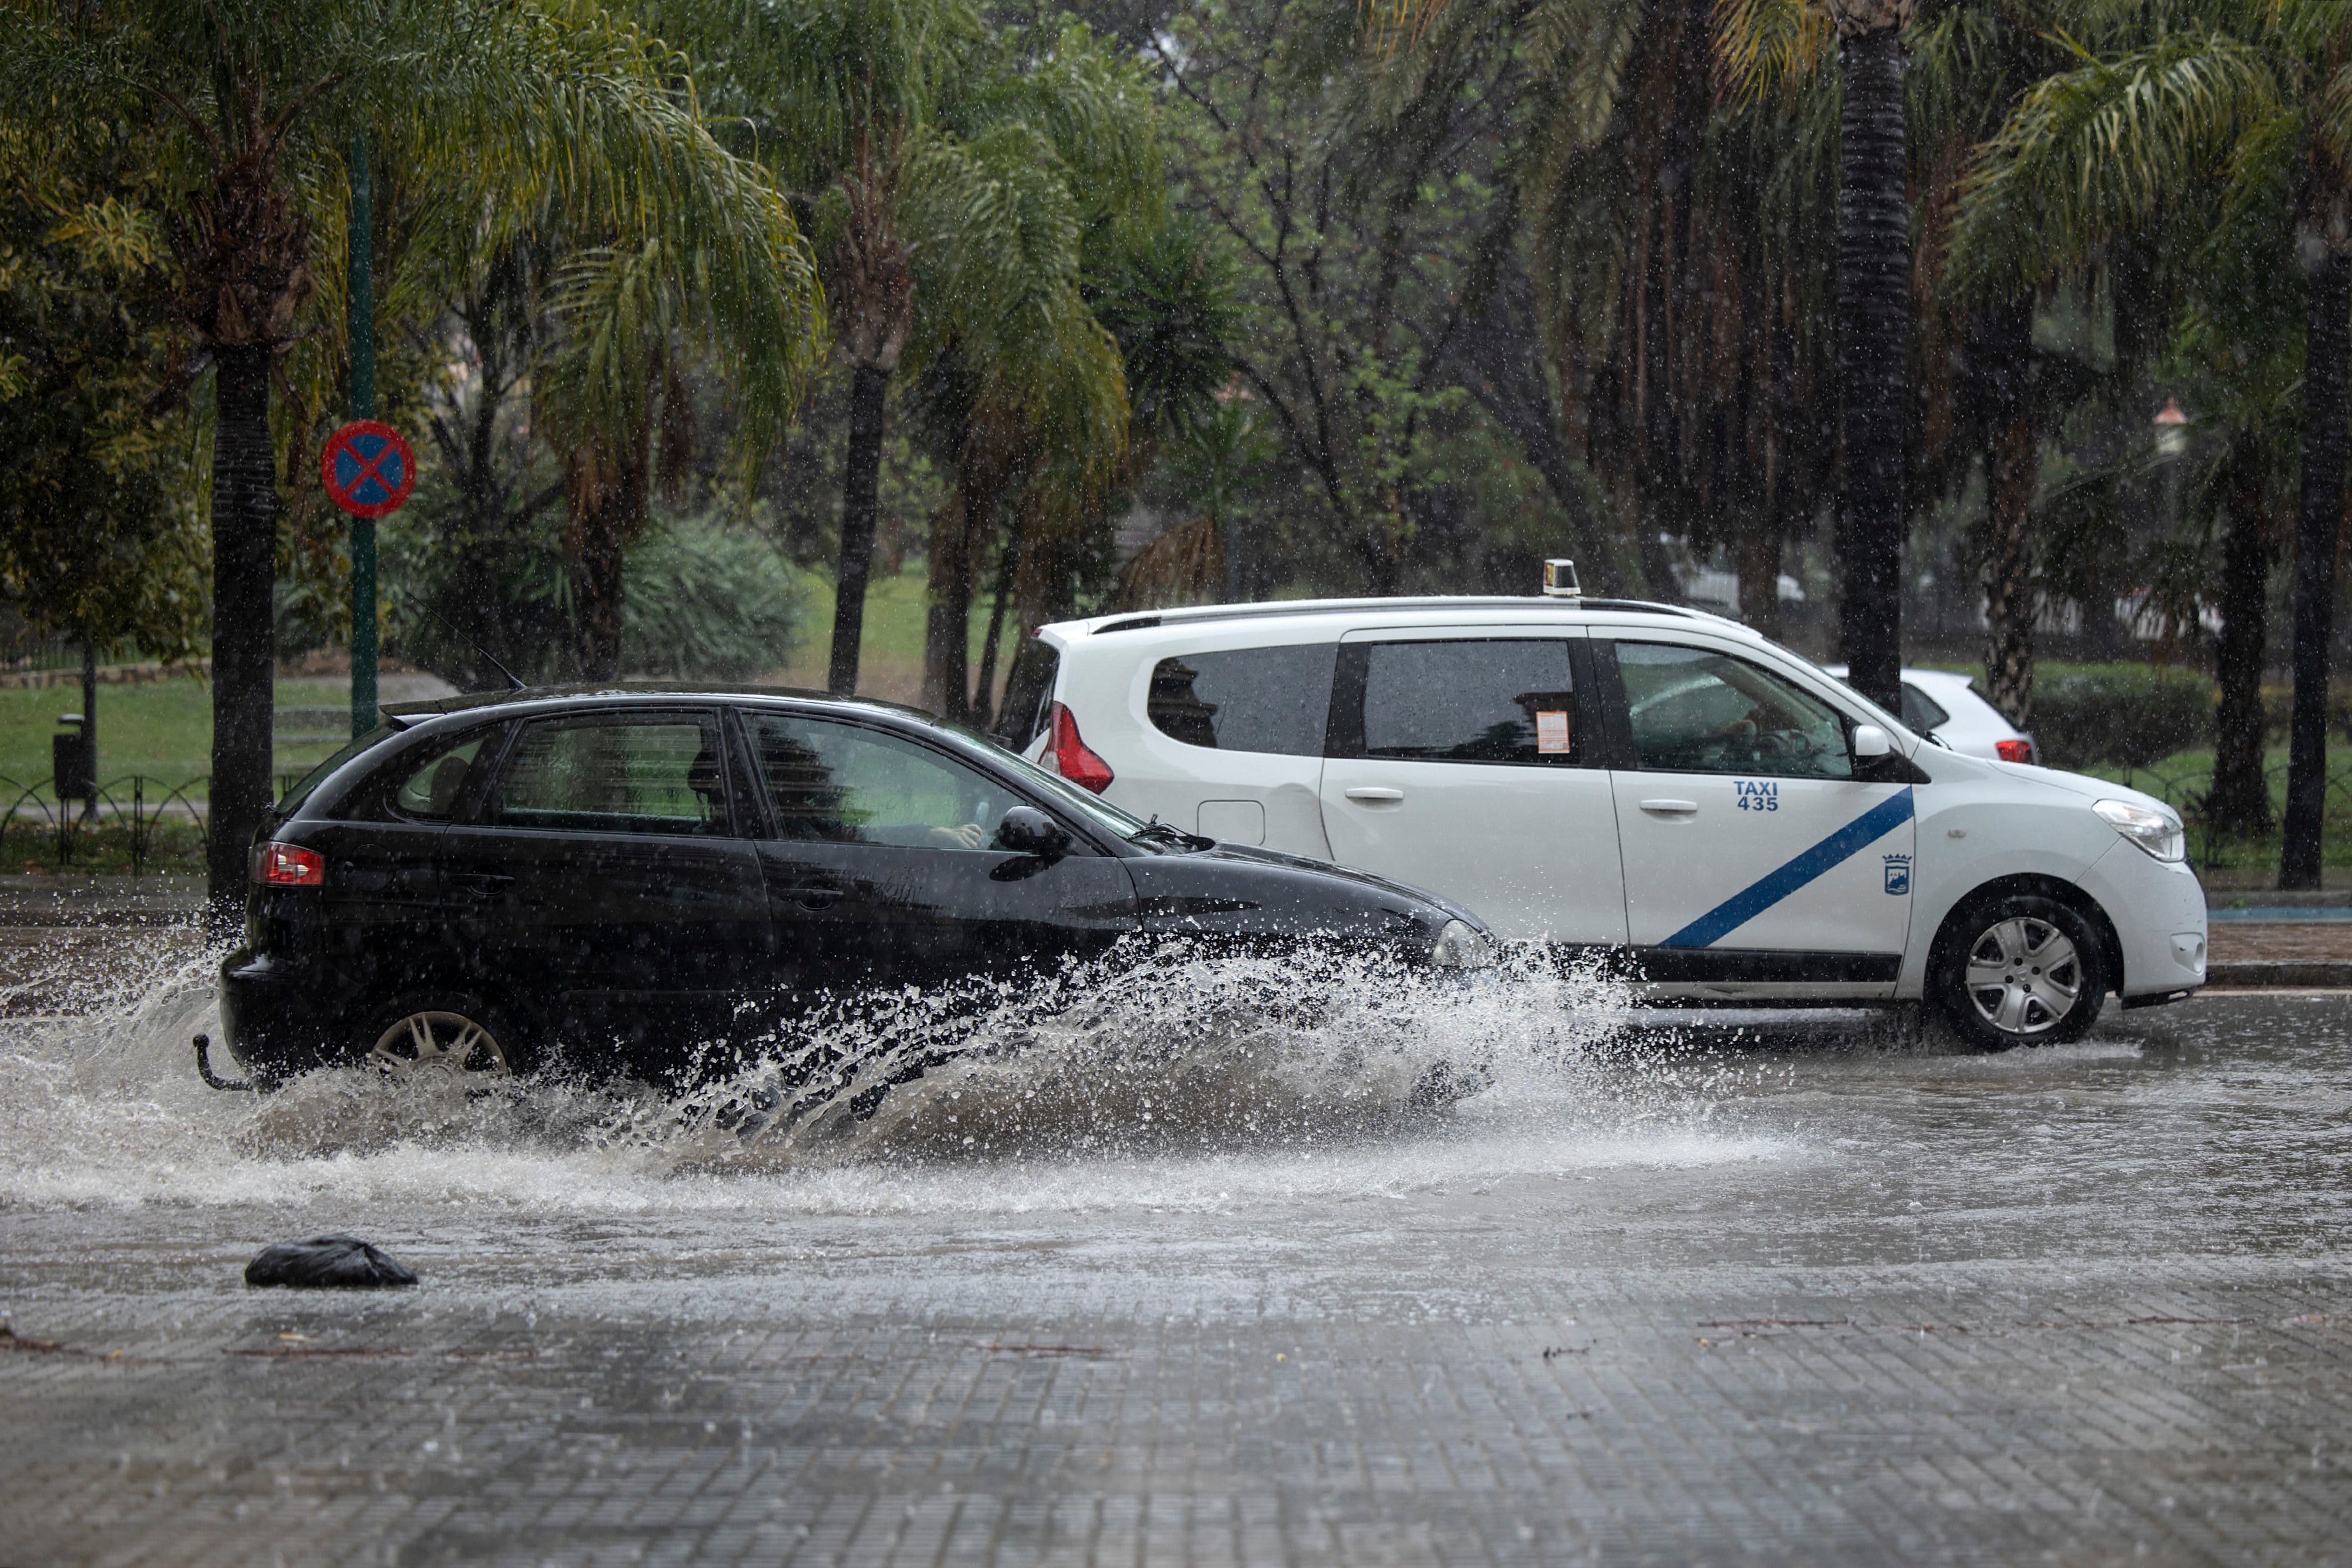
2014 750
1072 759
289 866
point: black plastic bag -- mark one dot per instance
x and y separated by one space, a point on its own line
332 1262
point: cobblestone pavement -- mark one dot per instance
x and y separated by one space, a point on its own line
1813 1297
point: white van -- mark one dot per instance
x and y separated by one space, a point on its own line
1726 820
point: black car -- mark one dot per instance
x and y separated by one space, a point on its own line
637 873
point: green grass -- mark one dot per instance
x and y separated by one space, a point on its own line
163 728
891 658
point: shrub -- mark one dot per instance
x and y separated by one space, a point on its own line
2278 711
709 602
2131 715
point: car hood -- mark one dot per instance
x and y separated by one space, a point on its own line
2081 785
1292 887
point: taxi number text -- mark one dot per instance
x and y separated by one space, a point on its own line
1757 795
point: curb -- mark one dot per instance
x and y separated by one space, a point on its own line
2293 971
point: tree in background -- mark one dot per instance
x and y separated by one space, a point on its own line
2247 100
99 538
507 114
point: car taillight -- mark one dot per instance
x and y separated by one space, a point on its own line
2014 750
289 866
1071 758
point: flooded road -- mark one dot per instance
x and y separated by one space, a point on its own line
1186 1284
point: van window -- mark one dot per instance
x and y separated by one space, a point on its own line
1483 700
1246 699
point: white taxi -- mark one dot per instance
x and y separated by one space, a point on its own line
1728 821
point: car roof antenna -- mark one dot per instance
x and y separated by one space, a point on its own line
513 682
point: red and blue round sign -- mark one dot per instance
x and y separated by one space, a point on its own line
368 468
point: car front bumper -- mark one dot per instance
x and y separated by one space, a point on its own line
2157 910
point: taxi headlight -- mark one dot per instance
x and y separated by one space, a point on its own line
1461 945
2157 832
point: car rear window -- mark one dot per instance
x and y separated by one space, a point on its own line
1272 700
1488 700
1921 712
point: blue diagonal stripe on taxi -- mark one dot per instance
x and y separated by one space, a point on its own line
1773 886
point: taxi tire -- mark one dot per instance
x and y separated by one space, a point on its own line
1971 923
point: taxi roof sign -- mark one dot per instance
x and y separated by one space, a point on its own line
1559 580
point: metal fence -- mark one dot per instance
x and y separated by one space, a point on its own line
134 801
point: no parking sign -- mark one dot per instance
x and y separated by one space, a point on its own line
368 468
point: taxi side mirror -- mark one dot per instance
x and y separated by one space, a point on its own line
1025 830
1871 743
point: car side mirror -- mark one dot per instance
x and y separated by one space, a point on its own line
1025 830
1871 743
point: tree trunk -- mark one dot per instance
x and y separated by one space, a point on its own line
2011 460
2240 798
245 630
947 609
610 503
1008 562
1756 555
861 482
2325 346
1874 308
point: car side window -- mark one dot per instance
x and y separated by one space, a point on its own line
1268 700
613 774
431 790
1485 699
1693 709
845 784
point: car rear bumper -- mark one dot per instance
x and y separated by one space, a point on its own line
275 1023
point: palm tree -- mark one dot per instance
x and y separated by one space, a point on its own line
848 99
2250 99
509 112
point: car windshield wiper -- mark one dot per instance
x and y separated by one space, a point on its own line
1158 832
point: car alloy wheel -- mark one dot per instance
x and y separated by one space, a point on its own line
2024 977
2019 969
434 1040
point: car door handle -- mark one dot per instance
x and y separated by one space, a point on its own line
1672 807
812 895
479 885
1374 792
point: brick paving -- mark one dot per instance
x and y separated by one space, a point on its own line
1852 1305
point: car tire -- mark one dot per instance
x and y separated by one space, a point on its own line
458 1032
2017 969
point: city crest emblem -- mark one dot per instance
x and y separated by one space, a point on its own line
1898 874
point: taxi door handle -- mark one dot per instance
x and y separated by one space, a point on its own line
1672 807
1374 793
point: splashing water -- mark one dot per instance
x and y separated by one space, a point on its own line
1160 1076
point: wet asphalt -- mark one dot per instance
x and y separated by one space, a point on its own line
1813 1292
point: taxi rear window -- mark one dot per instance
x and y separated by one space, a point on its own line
1269 699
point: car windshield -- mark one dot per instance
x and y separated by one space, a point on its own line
1093 807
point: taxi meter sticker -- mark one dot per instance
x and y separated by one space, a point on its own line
1551 732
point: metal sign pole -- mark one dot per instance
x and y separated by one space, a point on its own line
362 304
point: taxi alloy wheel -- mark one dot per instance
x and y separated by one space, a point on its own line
430 1040
2023 970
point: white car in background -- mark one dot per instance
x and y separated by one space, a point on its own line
1947 707
1725 820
